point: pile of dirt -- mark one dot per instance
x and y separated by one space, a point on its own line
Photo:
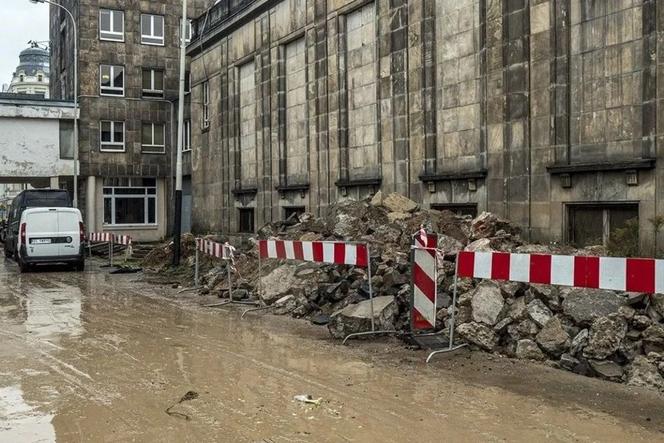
607 334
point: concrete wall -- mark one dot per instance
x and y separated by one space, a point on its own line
520 107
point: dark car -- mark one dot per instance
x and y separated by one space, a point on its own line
32 198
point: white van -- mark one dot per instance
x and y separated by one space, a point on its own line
51 235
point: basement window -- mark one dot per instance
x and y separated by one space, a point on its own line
293 212
593 224
458 209
246 220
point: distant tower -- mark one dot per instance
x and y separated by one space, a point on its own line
32 72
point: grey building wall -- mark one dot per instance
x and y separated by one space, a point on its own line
524 108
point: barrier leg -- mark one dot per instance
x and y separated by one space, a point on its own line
373 314
110 254
229 270
196 267
451 346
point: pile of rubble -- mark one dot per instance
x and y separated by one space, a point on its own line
615 336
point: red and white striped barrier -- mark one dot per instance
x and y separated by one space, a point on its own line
124 240
214 249
425 279
338 253
101 237
615 273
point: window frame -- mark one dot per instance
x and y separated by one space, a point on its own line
206 105
240 228
186 136
188 38
146 195
113 142
152 35
152 93
112 21
112 88
152 145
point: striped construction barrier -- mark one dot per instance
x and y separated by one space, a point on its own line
124 240
222 251
614 273
332 252
424 276
215 249
100 237
111 239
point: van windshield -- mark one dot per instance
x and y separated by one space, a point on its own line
40 199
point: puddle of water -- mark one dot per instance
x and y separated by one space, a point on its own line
20 422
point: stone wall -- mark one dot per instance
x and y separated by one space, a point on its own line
523 108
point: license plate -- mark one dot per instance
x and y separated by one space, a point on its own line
40 241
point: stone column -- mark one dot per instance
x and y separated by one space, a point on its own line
91 204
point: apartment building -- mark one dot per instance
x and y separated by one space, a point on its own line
128 90
543 111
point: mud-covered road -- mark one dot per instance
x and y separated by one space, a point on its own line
98 357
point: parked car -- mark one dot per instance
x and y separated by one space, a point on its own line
51 236
32 198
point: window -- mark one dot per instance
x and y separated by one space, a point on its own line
591 224
152 138
187 82
292 213
21 78
186 136
130 201
111 25
246 219
206 104
187 30
153 83
457 208
152 29
66 139
111 80
111 136
40 78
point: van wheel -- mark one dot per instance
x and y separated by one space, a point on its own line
80 266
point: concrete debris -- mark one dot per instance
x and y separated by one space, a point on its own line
645 374
528 350
357 317
598 333
487 303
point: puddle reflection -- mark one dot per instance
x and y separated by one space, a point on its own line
20 422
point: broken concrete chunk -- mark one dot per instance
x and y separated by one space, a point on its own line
357 317
607 369
398 203
553 338
653 339
487 303
606 334
539 312
643 373
528 350
478 334
587 305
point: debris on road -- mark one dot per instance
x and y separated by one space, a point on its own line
308 399
607 334
189 395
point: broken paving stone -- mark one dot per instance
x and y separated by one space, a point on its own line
528 350
579 342
587 305
517 310
643 373
607 369
657 302
553 338
501 326
487 303
568 362
547 293
539 312
627 312
488 225
478 334
606 334
511 289
320 319
393 217
449 245
481 245
357 317
641 322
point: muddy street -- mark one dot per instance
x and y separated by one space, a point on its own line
98 357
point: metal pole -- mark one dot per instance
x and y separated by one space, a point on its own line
110 252
454 297
177 226
260 291
196 265
229 269
373 326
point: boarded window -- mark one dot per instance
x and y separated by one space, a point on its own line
459 209
66 139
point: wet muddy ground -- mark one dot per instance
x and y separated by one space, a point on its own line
98 357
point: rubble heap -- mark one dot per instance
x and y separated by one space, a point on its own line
612 335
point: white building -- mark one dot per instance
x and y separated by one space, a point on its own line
32 73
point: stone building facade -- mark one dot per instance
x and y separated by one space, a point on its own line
32 73
542 111
128 90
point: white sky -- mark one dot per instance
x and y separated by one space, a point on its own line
20 21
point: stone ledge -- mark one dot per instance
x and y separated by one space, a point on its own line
625 165
480 173
359 182
244 191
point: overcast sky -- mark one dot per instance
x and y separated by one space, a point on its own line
21 21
